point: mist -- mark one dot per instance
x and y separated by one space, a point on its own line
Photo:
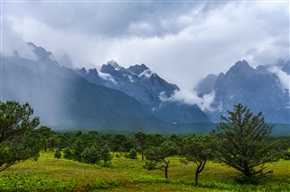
181 41
37 83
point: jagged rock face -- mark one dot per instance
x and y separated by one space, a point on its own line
140 82
206 85
138 69
258 88
62 98
84 98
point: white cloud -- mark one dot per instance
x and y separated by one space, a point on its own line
181 42
191 98
283 77
12 41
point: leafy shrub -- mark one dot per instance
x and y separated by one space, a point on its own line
132 154
91 155
67 154
286 155
57 154
106 155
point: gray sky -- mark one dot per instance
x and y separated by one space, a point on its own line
182 41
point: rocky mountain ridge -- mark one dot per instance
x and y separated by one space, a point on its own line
259 88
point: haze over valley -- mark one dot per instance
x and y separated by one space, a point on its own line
153 66
136 98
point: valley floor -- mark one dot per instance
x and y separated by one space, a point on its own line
51 174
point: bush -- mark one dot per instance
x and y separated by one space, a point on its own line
286 155
132 154
67 154
91 155
106 155
57 154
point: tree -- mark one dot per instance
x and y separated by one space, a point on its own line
244 143
91 155
132 154
106 155
155 139
46 133
67 154
141 139
57 154
198 149
78 148
176 139
18 140
118 142
156 156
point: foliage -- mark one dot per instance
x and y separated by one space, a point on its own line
106 155
244 143
78 148
18 141
91 155
156 156
67 154
121 143
198 149
51 174
132 154
285 155
45 133
141 139
57 154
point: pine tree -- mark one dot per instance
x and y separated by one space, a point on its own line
244 143
106 155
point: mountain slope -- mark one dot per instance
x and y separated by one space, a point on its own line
64 99
140 82
259 89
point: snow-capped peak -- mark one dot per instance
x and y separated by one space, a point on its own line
146 73
114 64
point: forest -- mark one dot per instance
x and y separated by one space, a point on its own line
240 154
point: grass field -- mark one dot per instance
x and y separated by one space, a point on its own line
50 174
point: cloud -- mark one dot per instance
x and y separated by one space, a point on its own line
283 77
191 98
107 19
182 42
13 44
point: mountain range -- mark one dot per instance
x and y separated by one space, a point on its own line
264 88
118 98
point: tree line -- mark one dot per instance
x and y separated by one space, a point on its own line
242 141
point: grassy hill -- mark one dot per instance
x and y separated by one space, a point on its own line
50 174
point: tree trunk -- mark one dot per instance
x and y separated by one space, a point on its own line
200 167
166 172
166 168
196 177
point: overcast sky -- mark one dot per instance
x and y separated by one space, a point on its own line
182 41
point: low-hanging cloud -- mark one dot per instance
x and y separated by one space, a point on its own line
191 98
12 44
283 77
182 42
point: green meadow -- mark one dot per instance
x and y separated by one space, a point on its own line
51 174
